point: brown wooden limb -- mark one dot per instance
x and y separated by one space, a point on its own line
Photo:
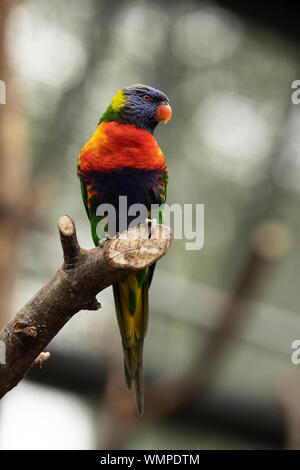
39 361
74 287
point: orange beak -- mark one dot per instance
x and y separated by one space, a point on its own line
164 113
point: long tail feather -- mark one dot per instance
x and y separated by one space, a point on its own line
131 301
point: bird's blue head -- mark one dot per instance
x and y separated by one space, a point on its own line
140 105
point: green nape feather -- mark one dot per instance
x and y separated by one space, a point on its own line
112 112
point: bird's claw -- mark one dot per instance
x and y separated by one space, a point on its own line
151 221
103 240
153 224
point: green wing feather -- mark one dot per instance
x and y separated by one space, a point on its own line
98 229
84 197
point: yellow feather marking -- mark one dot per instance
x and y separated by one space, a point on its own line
131 320
93 144
118 101
99 136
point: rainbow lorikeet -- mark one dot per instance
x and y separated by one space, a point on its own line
123 159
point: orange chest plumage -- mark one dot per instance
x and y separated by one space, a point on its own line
115 146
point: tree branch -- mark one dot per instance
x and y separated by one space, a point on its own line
74 287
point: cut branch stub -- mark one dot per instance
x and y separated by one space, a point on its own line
69 242
134 249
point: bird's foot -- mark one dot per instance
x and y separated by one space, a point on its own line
103 240
153 224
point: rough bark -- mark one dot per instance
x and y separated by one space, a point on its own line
73 287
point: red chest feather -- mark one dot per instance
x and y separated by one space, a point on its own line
115 146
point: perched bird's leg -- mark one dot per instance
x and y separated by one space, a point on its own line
148 222
153 224
103 240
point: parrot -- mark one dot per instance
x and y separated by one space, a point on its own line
123 158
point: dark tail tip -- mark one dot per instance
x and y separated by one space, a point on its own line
139 391
139 402
140 409
128 380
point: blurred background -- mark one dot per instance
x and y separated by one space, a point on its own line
218 367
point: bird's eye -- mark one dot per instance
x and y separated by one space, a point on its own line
146 98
